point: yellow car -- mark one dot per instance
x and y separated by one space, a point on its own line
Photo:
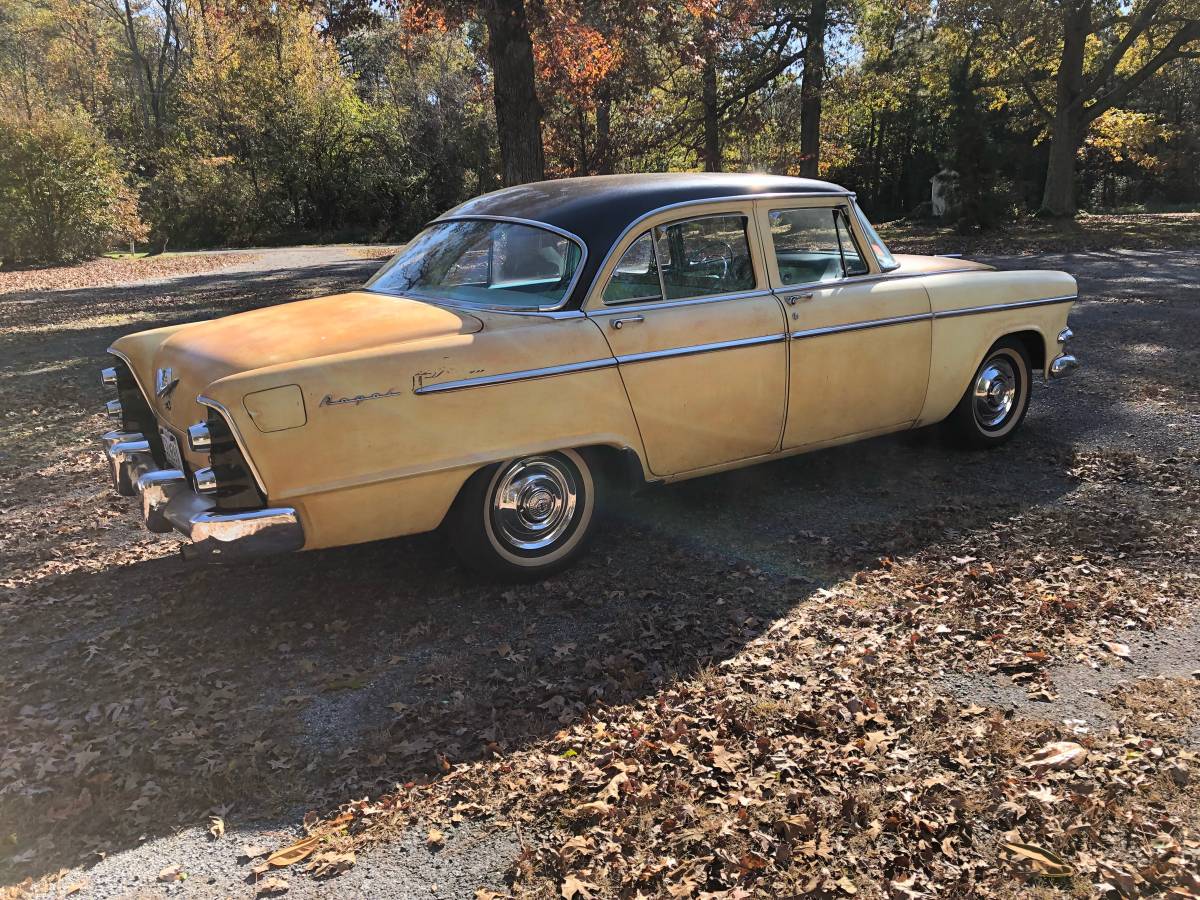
537 347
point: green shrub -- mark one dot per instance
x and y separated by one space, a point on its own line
62 194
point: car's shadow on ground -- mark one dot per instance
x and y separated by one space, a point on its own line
262 689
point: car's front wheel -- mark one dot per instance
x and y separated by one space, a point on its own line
526 517
996 400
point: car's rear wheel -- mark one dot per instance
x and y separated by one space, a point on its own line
995 402
526 517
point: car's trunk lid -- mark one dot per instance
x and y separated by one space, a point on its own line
195 356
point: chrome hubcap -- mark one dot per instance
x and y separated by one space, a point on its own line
995 392
534 502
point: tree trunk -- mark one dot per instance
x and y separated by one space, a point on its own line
1069 126
604 155
712 117
518 112
811 86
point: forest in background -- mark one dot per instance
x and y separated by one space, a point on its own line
203 123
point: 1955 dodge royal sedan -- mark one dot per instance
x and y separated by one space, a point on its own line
537 347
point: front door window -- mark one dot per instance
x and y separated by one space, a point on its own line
814 244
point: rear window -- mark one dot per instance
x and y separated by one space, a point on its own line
484 262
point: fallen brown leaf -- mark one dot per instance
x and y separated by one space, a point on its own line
1043 861
293 853
1058 755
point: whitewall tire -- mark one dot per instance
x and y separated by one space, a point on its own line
526 517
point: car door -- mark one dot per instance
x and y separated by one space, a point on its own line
699 338
858 339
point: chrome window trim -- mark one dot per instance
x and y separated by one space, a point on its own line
618 309
479 307
237 436
735 198
874 276
520 375
514 220
997 307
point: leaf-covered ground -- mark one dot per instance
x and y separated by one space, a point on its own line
889 669
106 272
1136 231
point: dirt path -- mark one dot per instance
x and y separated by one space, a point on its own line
140 694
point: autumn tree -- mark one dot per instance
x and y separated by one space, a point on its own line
1078 59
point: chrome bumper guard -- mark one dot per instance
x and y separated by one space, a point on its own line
168 503
1063 366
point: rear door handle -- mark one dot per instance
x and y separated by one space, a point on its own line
627 320
792 298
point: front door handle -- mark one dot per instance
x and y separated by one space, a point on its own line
792 298
628 320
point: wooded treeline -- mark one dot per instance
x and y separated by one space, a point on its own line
188 123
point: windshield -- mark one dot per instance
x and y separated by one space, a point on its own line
484 262
882 253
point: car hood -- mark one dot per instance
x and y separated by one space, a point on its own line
203 352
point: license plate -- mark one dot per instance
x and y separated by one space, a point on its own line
171 449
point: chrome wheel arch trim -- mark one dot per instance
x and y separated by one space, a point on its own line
237 437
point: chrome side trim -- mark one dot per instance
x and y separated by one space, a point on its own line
916 317
859 326
541 310
701 348
521 375
588 365
997 307
237 436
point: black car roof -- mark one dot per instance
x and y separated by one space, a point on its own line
599 208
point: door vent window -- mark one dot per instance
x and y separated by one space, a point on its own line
636 275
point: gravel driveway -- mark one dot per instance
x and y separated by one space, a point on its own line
140 695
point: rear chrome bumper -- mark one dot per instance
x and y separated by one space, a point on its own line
169 503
